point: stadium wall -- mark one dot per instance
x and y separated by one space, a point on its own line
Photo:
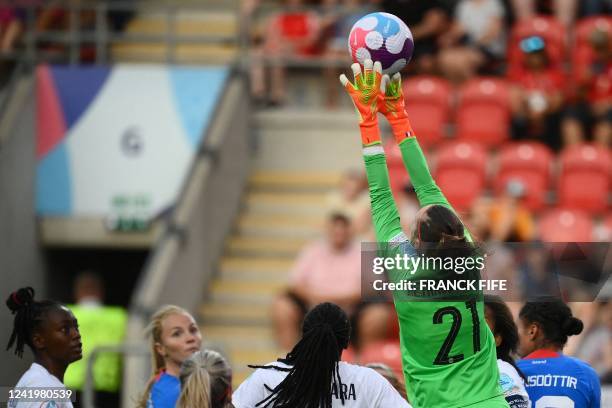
184 260
21 258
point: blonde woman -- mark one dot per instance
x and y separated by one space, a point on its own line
206 381
175 336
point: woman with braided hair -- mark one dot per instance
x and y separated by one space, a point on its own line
312 375
51 331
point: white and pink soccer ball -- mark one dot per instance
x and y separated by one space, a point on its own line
381 37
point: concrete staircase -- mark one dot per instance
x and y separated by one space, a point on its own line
299 160
212 18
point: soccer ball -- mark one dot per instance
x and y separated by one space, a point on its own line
381 37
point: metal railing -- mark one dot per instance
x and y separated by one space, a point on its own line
102 36
124 349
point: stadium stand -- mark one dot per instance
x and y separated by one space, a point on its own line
220 23
548 28
428 102
584 182
284 207
483 113
562 225
461 172
529 163
299 154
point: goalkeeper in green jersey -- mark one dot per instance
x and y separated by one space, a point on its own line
448 351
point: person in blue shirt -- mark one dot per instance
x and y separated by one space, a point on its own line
175 336
554 380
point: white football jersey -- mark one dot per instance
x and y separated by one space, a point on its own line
512 385
38 377
361 387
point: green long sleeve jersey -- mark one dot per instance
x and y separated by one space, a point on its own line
448 352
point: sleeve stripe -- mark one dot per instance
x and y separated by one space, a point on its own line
373 150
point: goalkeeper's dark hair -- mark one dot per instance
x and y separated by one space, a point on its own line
313 362
29 316
440 225
439 233
504 326
554 318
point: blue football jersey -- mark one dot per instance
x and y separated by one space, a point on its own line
165 391
558 381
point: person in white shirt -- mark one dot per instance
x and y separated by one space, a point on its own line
51 331
511 379
312 375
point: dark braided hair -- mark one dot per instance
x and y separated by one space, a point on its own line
554 318
29 315
504 326
314 362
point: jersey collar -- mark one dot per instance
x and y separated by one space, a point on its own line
542 353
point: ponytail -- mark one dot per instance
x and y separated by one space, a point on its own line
554 317
29 315
313 362
206 380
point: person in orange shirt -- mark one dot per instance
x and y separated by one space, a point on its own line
510 220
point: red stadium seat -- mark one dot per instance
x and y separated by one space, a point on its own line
585 178
551 30
461 172
562 225
530 163
427 104
398 176
483 114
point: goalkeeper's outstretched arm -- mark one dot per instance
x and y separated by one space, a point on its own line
392 105
364 93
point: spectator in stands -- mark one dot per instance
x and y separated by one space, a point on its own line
596 347
536 268
477 39
352 200
206 381
564 10
428 20
536 96
175 336
338 27
372 323
292 33
11 27
100 325
594 110
326 270
510 220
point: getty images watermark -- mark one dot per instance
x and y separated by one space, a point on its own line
514 271
408 265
